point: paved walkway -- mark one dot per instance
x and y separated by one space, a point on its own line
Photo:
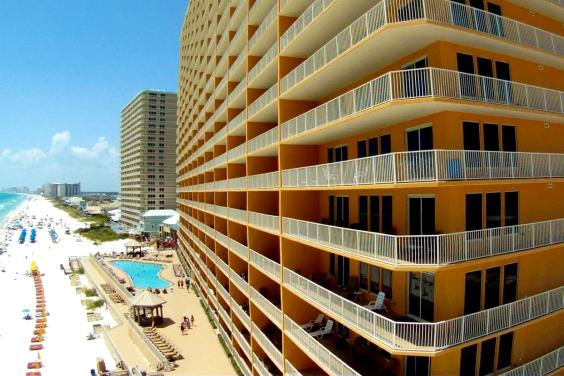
202 351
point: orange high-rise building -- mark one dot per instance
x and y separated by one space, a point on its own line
376 187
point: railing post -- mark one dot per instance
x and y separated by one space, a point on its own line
436 160
394 167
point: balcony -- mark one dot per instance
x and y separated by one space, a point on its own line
427 250
543 366
239 249
266 265
238 215
243 342
235 98
426 91
241 314
235 125
267 307
265 35
267 180
239 39
259 10
324 357
378 27
238 184
264 108
263 366
263 74
237 154
425 166
237 69
422 337
265 144
268 347
242 284
266 222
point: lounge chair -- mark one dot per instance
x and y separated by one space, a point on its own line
327 329
378 304
313 323
36 347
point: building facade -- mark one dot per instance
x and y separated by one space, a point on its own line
61 190
375 187
148 155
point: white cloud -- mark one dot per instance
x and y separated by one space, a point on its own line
100 151
23 157
59 142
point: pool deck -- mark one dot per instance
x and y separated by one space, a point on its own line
201 349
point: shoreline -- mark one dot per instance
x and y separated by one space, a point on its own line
68 323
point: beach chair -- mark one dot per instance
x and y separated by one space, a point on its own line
378 304
327 329
308 326
36 347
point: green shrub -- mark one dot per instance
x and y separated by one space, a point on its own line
229 355
90 292
208 314
93 304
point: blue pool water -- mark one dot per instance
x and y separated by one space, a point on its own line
143 274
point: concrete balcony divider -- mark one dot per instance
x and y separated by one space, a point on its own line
428 165
266 265
319 353
270 310
435 250
268 347
425 337
426 83
542 366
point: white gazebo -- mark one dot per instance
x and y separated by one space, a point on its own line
145 305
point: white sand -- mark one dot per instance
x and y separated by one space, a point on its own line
66 350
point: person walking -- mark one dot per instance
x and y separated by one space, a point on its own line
192 319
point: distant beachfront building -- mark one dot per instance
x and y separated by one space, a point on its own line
61 190
148 155
152 220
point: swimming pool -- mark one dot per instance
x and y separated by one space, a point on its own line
143 274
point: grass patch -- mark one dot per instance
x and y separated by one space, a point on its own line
76 214
93 304
208 313
90 292
229 355
80 270
100 233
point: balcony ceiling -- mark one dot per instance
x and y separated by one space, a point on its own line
548 8
403 110
395 41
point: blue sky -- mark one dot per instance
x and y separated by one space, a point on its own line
67 67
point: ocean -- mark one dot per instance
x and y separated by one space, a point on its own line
8 202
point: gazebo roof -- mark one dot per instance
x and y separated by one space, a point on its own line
133 244
148 299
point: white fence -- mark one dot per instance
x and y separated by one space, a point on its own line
266 221
268 57
243 316
266 265
263 140
428 165
426 83
262 101
270 310
545 365
268 347
428 249
426 337
316 350
265 24
263 181
443 11
242 341
303 21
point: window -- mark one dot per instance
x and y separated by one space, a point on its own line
468 360
387 282
505 350
361 149
421 295
387 227
374 213
417 366
373 146
487 357
473 292
363 212
509 283
511 208
374 279
491 297
493 210
386 144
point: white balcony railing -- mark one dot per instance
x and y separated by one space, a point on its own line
260 367
266 265
267 221
316 350
238 183
238 215
270 310
426 83
265 24
268 347
263 181
268 57
242 341
420 336
238 61
437 250
543 366
243 316
290 369
237 151
388 12
239 249
262 101
239 282
237 120
428 165
303 21
263 140
238 89
223 292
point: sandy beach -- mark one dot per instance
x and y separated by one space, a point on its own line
66 349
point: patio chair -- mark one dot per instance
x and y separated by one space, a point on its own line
378 304
308 326
327 329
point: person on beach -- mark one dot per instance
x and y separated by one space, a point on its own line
192 319
182 327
